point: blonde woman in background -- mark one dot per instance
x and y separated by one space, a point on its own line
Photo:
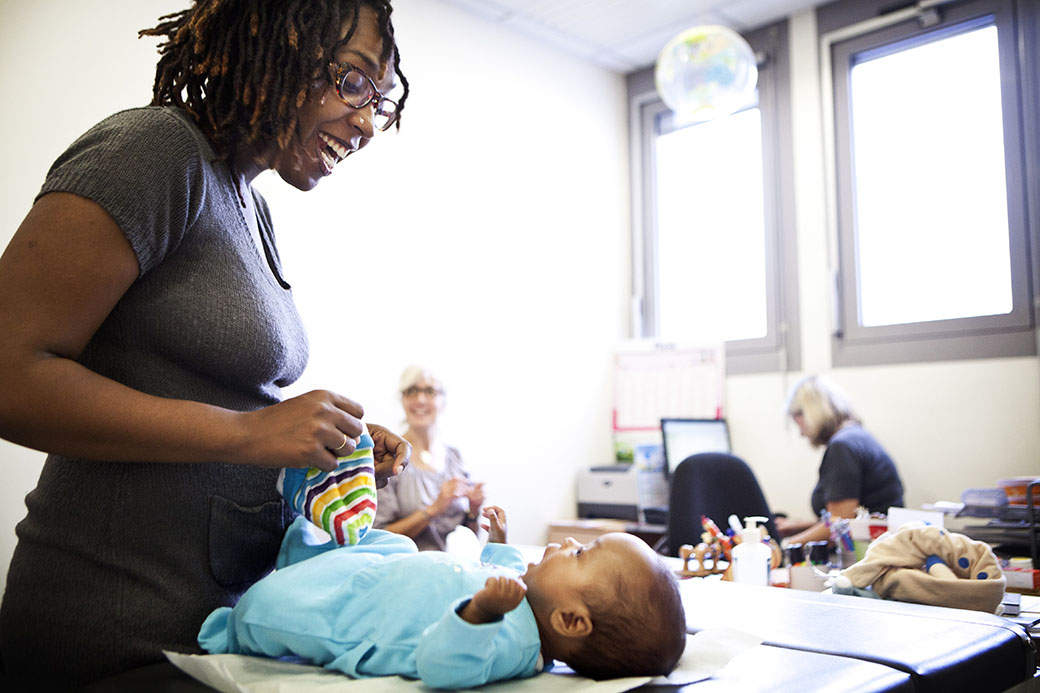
434 494
855 470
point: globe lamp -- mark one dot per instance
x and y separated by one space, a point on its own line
706 72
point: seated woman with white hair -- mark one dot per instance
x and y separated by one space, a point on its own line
434 494
855 470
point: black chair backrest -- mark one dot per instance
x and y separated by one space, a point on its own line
715 484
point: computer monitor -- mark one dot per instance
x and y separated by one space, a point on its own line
685 437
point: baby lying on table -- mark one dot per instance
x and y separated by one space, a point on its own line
607 609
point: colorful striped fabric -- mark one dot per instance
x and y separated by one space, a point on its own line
342 502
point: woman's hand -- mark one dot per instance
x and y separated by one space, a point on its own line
496 527
310 430
450 490
475 495
499 596
391 453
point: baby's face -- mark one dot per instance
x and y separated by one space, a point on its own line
572 567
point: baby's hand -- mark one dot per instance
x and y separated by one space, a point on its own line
496 527
499 596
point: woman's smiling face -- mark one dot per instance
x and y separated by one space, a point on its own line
422 402
328 130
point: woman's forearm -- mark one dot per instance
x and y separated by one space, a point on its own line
58 406
55 405
412 524
820 531
817 532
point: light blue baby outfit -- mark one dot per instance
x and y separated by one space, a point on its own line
379 608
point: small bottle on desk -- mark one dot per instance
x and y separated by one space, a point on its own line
819 554
751 557
810 573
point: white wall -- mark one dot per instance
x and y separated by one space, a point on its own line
489 238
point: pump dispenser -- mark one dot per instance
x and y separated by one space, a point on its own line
751 557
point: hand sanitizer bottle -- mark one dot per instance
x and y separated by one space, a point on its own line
751 557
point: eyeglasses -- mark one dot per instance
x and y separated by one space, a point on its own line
415 391
357 90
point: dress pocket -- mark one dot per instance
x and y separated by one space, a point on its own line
244 541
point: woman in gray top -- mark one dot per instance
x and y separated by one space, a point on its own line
435 494
147 330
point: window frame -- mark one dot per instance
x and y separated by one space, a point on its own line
854 27
780 348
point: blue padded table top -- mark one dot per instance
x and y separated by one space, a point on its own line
941 649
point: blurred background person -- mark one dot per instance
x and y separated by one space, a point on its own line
855 470
434 494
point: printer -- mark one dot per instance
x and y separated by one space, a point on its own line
620 491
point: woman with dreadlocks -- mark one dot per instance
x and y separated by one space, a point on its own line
146 331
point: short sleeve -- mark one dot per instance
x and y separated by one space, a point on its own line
841 477
145 168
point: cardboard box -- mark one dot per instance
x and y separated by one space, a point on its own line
1022 579
868 528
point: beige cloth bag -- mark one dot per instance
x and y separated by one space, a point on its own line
894 565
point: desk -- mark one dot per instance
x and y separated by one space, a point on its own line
940 649
1029 617
1012 530
585 531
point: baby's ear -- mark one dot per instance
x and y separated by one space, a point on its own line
571 623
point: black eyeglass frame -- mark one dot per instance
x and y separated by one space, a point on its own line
340 71
415 391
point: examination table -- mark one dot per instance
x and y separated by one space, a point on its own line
810 642
917 647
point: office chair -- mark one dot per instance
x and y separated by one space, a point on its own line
715 484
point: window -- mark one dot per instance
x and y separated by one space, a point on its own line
713 240
934 116
710 229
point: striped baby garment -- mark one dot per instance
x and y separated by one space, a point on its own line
341 502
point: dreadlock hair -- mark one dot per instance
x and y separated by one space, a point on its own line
638 628
243 68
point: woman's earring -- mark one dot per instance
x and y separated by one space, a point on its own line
323 96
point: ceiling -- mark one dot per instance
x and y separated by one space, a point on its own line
624 35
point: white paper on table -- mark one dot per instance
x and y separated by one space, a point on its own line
231 673
463 543
706 652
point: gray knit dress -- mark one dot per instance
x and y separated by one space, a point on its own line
116 562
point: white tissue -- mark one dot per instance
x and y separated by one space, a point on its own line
230 673
706 652
462 543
